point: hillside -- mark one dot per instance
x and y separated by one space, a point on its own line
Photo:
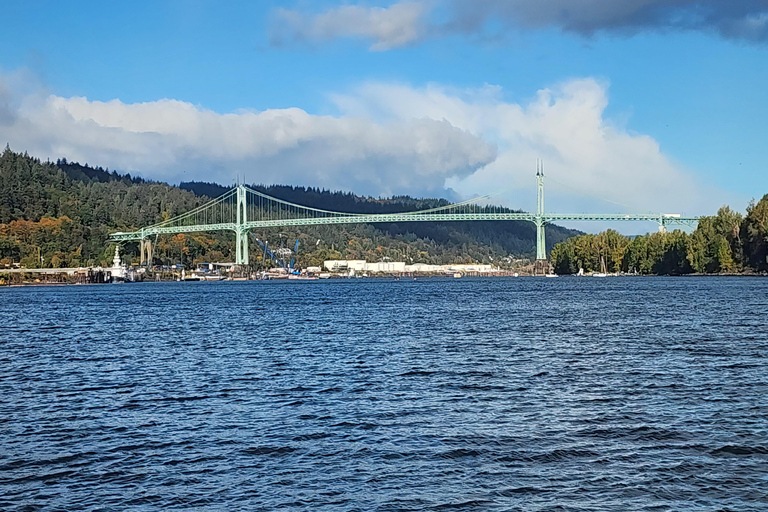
59 214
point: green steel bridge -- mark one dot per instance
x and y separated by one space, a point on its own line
242 209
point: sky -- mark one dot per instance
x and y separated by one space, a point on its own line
633 106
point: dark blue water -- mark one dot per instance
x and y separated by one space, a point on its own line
477 394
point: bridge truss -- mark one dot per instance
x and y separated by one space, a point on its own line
242 209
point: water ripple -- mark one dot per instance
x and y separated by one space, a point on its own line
471 394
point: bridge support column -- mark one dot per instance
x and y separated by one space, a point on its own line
241 247
145 246
241 234
662 224
541 241
541 266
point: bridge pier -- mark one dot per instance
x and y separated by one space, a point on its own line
541 267
662 224
146 250
541 241
241 247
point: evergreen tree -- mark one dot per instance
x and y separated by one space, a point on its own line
754 231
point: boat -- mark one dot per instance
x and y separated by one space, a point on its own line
551 275
274 273
302 278
188 277
457 275
118 271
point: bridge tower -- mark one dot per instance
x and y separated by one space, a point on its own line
241 233
541 266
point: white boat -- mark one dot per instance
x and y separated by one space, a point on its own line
302 278
551 275
457 275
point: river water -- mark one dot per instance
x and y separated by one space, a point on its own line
430 394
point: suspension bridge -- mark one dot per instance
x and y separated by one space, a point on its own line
242 209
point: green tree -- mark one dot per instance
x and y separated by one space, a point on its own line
711 246
674 259
635 259
563 259
754 231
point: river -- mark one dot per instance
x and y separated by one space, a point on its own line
568 394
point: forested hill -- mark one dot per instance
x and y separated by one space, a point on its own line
60 214
89 174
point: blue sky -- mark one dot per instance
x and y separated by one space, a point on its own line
402 97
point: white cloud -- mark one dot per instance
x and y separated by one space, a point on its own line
411 22
173 140
565 126
387 139
388 27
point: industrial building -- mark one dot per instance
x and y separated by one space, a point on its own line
399 267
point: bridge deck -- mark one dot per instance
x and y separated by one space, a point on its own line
665 219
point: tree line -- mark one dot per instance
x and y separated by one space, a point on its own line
724 243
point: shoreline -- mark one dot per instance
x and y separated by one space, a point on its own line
390 278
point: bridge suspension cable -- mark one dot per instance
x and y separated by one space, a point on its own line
579 191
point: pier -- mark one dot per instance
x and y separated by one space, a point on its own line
30 276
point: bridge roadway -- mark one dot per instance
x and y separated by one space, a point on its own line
241 229
662 220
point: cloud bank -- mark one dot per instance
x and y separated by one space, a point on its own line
174 140
586 156
387 139
410 22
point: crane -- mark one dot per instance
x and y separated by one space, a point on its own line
295 251
267 252
280 255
